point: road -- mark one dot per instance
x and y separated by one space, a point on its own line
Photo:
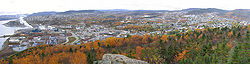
178 21
73 35
67 40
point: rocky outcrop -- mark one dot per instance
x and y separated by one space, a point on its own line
118 59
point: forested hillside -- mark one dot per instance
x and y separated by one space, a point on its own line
206 46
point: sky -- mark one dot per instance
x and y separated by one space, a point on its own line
31 6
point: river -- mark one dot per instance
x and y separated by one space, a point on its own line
10 30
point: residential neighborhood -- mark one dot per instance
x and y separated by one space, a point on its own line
103 26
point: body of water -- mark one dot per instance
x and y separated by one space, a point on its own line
10 30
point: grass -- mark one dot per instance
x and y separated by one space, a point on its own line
71 39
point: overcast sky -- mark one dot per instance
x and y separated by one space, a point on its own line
30 6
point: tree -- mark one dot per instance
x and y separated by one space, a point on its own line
181 55
87 46
111 41
138 52
164 38
99 53
145 39
96 45
78 58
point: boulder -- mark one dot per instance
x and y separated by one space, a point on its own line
118 59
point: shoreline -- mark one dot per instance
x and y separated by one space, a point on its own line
6 50
11 29
5 44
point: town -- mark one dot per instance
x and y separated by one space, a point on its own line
77 27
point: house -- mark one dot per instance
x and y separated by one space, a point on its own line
14 40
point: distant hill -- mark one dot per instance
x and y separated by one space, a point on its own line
93 11
43 13
66 12
190 9
8 17
79 11
207 10
116 10
239 14
242 13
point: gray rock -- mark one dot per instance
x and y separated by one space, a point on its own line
118 59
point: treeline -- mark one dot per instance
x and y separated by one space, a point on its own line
209 45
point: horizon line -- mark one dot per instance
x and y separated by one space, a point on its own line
16 13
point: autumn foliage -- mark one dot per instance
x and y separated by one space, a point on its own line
138 52
210 45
